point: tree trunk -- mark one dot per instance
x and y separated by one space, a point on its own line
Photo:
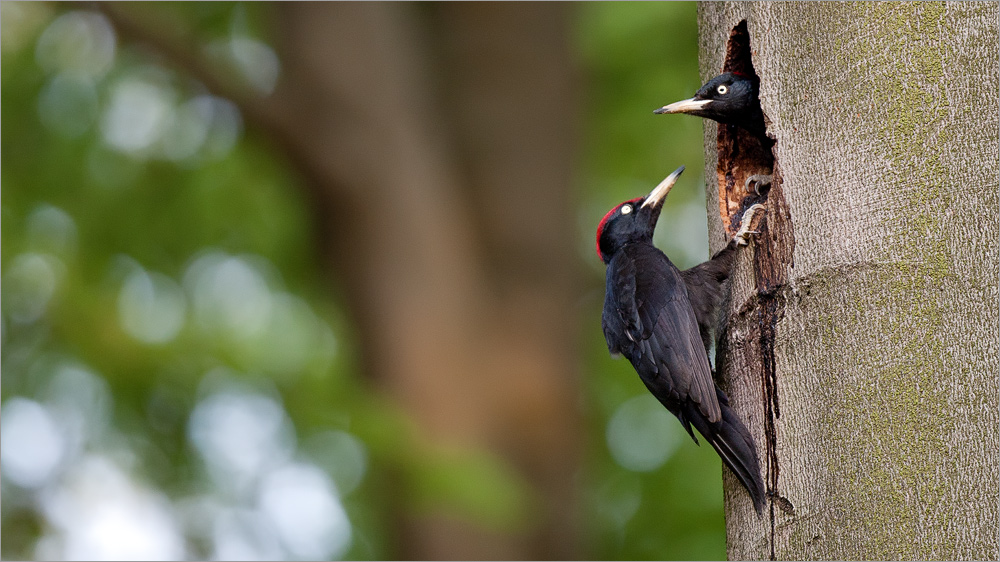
861 344
442 200
453 236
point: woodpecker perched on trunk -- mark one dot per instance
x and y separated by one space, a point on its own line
731 99
656 316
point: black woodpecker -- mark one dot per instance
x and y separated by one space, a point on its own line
728 98
732 99
660 319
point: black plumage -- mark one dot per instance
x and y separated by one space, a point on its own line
661 320
730 98
734 99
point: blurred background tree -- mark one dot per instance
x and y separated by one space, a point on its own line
318 281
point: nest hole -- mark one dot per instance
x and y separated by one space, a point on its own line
741 154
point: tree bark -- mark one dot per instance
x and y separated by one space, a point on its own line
861 345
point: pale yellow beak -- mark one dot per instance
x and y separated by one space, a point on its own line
684 106
660 192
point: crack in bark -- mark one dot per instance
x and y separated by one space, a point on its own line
767 317
772 260
740 155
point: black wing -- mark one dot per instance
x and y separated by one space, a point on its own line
648 319
704 284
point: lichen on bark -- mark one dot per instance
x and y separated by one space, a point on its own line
886 350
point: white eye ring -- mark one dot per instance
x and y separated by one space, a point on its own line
722 89
626 209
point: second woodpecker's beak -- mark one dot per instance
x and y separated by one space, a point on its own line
659 193
684 106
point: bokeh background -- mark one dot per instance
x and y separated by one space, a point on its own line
184 375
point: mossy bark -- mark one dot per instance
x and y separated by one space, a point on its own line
869 374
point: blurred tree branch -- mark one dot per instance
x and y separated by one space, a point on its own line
461 293
170 37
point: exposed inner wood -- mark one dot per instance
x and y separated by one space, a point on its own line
742 154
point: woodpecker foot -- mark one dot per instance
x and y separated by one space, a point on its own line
758 181
742 236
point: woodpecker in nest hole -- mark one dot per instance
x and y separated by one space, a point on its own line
731 99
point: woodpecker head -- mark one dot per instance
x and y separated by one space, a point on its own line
633 220
728 98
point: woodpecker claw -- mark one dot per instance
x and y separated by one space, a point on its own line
742 236
758 181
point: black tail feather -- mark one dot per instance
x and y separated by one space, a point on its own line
730 438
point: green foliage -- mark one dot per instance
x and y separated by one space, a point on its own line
114 310
117 262
474 485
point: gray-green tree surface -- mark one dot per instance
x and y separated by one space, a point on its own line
883 407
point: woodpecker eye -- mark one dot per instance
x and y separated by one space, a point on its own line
626 209
722 89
